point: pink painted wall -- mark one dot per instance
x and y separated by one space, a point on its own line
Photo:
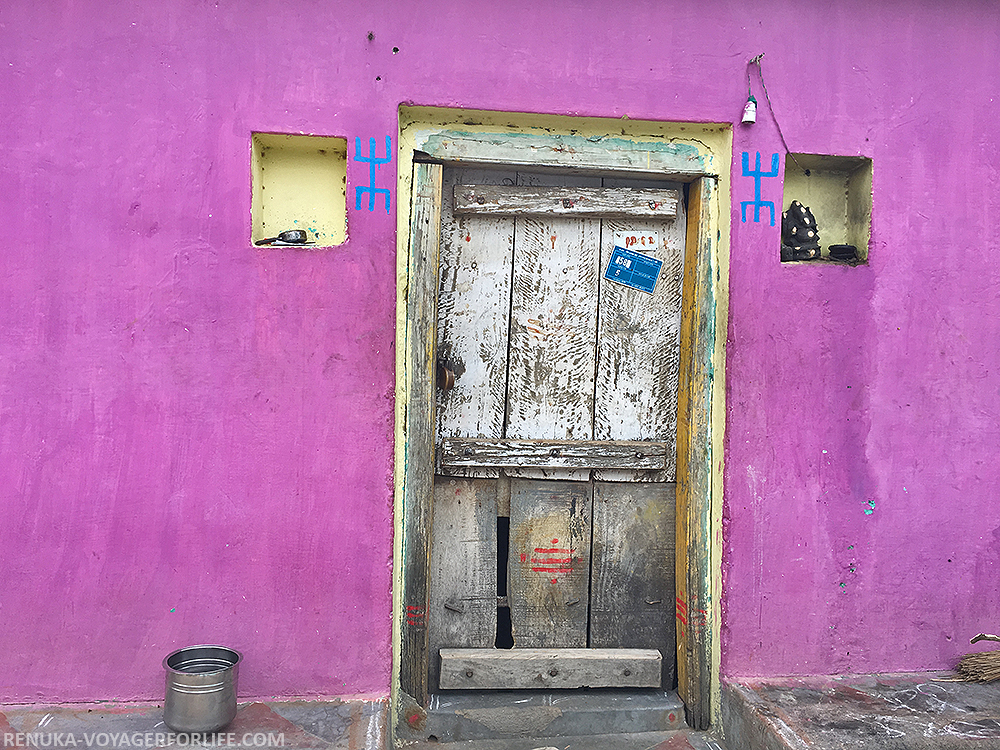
196 436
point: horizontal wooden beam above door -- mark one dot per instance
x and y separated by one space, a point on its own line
597 155
596 202
465 453
549 668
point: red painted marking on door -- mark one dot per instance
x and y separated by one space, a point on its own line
544 563
415 616
468 238
553 564
553 238
524 557
534 327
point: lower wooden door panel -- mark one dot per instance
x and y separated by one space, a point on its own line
589 566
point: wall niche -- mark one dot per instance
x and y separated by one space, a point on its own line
837 190
299 183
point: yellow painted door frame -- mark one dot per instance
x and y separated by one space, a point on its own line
698 155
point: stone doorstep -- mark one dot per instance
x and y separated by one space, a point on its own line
677 739
516 714
912 711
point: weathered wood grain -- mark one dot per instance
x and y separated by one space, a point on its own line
418 427
529 151
594 202
463 574
498 669
589 454
685 164
549 562
694 462
473 315
632 573
638 349
553 324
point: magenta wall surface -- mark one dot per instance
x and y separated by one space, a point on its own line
196 435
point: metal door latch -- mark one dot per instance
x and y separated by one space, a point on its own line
445 376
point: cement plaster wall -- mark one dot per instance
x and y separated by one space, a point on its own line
196 435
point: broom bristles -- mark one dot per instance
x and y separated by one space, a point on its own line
980 667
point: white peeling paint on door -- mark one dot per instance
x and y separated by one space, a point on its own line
473 314
544 349
638 348
553 325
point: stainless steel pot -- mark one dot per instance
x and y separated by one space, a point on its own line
201 688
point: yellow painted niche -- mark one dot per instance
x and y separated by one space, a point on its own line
299 182
838 191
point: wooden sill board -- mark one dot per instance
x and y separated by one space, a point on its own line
551 668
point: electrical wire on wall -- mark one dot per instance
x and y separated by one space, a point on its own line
755 61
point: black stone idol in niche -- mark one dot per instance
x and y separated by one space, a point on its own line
799 236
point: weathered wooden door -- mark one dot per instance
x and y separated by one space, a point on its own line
552 542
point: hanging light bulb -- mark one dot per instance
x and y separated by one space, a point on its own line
750 109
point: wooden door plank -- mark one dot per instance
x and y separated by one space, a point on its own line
553 323
463 578
632 573
638 348
460 453
473 313
550 668
549 562
418 426
530 200
547 396
694 462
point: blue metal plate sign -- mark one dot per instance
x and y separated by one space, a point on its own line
633 269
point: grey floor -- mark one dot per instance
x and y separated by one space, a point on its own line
922 711
926 711
300 725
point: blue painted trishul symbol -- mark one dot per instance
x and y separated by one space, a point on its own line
374 163
757 203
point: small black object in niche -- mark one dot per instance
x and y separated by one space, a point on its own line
799 235
288 237
843 252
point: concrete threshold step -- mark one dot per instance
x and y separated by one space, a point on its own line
677 739
516 714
